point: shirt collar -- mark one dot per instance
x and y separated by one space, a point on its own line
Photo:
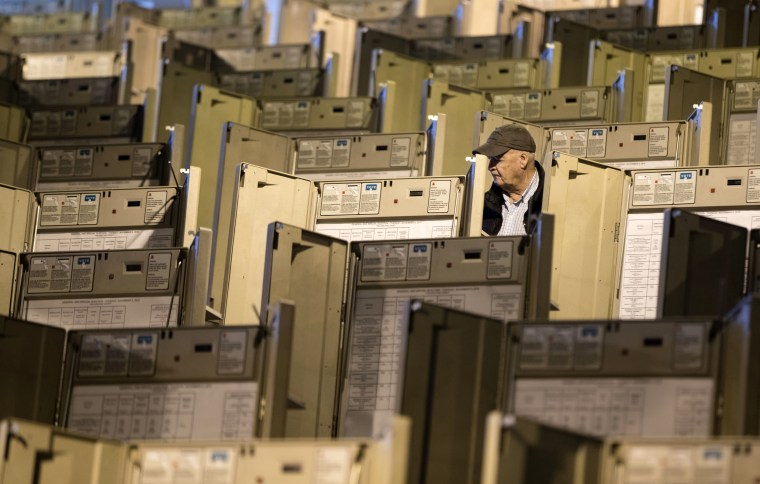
532 186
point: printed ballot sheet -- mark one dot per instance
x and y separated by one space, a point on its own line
390 230
611 406
174 411
667 464
639 285
100 313
742 139
377 343
103 240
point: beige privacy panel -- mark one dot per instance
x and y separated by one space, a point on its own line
586 199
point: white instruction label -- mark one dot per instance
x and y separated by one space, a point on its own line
746 95
369 200
355 115
400 151
500 259
589 104
384 262
686 187
141 158
753 186
742 139
377 343
546 347
522 74
658 141
59 210
142 354
438 197
155 207
745 64
418 262
165 411
570 141
306 156
664 464
104 355
654 188
597 143
689 346
655 103
159 272
188 466
340 199
656 407
532 105
232 349
341 153
61 274
332 466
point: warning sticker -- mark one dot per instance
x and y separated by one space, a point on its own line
753 186
589 104
655 103
745 64
159 270
232 348
340 199
355 115
384 262
418 263
653 189
438 199
685 187
597 143
500 259
369 202
400 151
155 207
658 141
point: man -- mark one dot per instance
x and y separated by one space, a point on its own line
518 182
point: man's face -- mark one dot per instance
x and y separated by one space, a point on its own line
507 170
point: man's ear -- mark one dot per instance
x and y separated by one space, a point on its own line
523 160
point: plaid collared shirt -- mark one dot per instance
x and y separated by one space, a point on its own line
513 213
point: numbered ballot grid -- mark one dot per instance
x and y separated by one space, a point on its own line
167 412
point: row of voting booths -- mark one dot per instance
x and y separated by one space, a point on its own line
228 259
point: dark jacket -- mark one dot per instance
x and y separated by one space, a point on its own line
494 200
